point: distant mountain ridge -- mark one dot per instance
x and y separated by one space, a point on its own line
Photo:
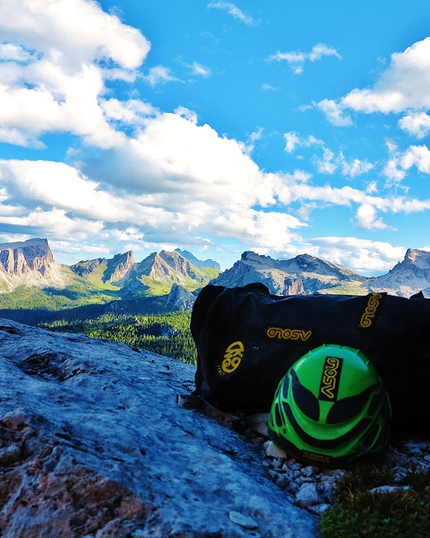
199 263
30 277
30 265
301 275
307 274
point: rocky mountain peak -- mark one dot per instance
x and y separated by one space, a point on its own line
419 258
198 263
407 277
300 275
252 258
179 298
30 263
119 266
25 256
171 264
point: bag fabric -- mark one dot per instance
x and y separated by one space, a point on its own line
247 339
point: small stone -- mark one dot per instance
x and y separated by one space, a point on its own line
244 521
308 471
319 508
272 451
414 449
308 496
282 481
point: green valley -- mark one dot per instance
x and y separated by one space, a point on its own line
166 334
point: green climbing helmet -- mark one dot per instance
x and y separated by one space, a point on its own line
331 409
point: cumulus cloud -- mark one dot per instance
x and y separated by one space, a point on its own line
362 255
73 31
403 86
53 79
297 59
10 52
416 124
232 10
366 257
368 219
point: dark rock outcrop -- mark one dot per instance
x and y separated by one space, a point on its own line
92 443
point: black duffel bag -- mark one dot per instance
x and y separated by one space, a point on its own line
247 339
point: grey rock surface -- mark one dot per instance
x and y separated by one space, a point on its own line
92 443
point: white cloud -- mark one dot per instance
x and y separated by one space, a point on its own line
61 187
268 88
366 257
54 75
326 165
292 141
329 161
12 52
367 218
362 255
159 75
404 85
355 167
416 123
132 112
72 31
297 59
232 10
334 112
202 70
399 163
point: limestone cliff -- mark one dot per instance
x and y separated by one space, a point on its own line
407 277
30 263
301 275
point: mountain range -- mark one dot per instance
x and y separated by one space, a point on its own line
31 278
307 274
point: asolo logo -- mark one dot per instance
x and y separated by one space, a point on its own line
330 379
370 311
288 334
232 358
316 457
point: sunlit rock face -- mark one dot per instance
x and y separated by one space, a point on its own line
301 275
30 263
92 443
19 258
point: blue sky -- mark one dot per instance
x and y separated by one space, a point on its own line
281 127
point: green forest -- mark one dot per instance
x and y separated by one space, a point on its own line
167 334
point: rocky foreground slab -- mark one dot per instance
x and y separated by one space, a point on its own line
92 444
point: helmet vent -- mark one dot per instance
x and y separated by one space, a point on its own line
305 399
348 408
